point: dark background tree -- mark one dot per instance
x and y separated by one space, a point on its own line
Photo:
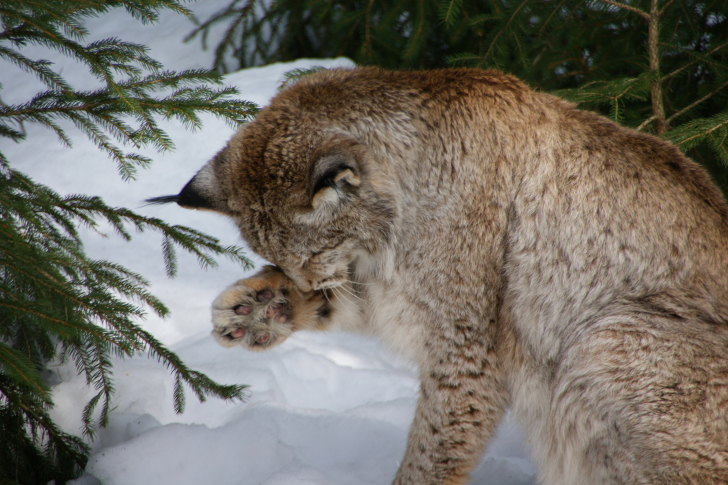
56 303
655 65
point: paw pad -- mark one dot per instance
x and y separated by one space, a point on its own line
254 317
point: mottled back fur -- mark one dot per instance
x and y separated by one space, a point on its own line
523 253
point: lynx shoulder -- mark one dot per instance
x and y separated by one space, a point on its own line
525 254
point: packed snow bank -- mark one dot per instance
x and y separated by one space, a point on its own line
323 408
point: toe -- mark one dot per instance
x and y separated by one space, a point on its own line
264 295
243 310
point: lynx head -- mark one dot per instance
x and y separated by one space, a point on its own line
302 183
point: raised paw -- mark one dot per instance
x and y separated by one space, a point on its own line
262 311
256 312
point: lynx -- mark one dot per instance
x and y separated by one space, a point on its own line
525 254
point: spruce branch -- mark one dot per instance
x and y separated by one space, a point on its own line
449 10
698 59
55 301
697 102
612 93
16 367
629 8
504 28
293 76
645 123
713 129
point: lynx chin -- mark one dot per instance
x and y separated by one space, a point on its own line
525 254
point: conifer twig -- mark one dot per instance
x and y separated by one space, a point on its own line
630 8
694 104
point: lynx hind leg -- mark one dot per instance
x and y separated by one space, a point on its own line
262 311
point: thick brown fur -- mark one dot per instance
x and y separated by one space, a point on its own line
522 252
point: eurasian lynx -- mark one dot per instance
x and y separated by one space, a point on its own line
524 253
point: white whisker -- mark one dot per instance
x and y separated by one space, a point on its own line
351 292
342 297
354 282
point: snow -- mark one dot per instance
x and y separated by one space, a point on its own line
322 408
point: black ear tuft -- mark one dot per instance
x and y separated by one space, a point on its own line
201 192
165 199
197 193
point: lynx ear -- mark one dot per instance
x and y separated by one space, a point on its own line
202 192
332 176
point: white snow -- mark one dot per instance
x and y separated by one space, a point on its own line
323 408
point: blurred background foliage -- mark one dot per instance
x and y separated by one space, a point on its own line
659 66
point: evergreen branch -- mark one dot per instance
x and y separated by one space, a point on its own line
448 10
690 134
695 103
200 384
78 326
40 68
464 57
179 394
51 294
87 416
30 21
170 258
88 110
187 238
36 417
293 76
241 15
690 64
18 368
504 28
609 91
103 383
645 123
83 304
721 146
629 8
366 46
700 57
8 132
554 12
664 8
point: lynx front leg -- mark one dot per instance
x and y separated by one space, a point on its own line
262 311
463 396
